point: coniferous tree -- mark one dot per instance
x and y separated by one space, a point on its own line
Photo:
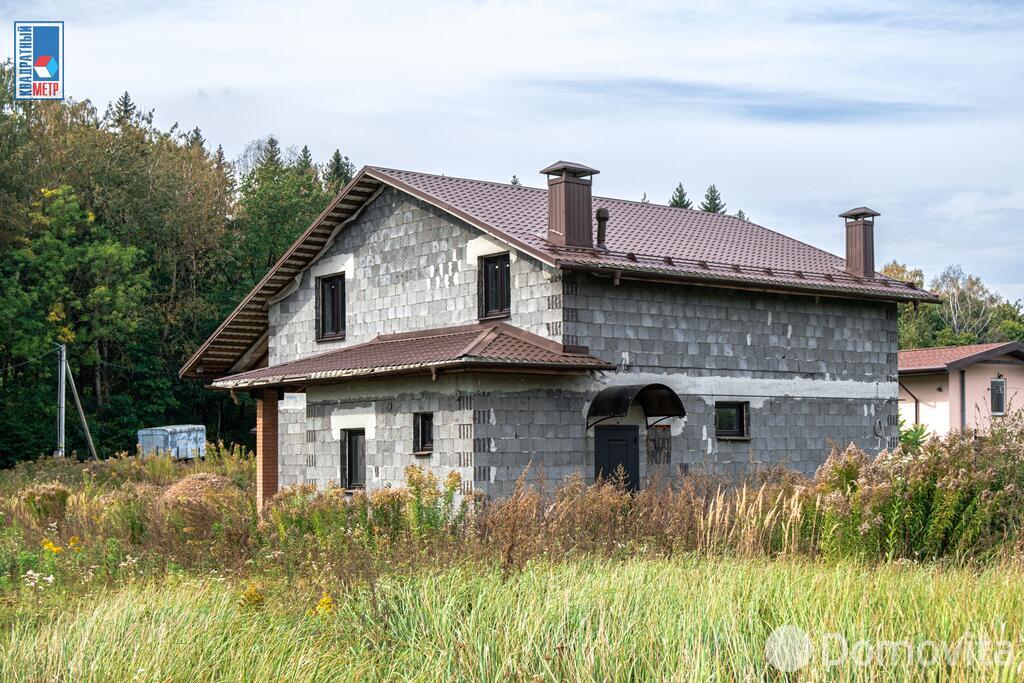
124 109
742 216
712 201
194 138
644 199
679 198
270 155
338 172
305 161
515 181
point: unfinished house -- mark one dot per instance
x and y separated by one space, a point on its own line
474 326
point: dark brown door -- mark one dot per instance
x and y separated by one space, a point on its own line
615 447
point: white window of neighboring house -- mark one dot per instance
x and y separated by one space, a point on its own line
998 399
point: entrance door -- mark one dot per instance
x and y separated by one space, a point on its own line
615 446
356 459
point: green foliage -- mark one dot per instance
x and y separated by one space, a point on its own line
338 172
712 202
679 198
969 314
129 244
912 437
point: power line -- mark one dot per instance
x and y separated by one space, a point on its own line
30 360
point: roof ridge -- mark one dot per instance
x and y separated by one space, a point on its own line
385 169
954 346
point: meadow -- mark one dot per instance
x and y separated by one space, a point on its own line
142 568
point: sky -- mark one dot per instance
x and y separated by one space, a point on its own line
797 111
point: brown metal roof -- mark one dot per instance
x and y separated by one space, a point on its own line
481 347
652 241
644 241
944 358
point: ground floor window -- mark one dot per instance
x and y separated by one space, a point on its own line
732 420
423 432
355 459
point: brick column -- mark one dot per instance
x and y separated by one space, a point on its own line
266 446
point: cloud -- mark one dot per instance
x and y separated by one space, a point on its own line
621 94
795 110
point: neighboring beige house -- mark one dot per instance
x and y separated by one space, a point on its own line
961 387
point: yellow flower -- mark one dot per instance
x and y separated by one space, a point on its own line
252 597
74 543
325 605
51 547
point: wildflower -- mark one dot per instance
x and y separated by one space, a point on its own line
51 547
74 544
325 605
252 597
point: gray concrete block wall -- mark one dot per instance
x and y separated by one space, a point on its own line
408 266
709 331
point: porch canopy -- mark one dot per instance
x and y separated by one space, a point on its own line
484 347
657 400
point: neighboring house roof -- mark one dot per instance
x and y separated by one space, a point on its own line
492 346
645 241
945 358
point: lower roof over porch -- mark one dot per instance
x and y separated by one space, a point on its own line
483 347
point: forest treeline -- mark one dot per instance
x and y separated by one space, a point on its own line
128 244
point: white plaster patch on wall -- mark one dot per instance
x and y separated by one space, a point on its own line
789 331
353 418
492 419
484 245
337 263
293 402
769 317
750 388
493 446
748 338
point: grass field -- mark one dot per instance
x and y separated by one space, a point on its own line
682 619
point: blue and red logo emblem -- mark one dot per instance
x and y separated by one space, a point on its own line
39 60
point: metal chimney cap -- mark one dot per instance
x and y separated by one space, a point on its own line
569 168
859 212
602 214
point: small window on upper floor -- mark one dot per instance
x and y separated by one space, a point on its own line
495 286
331 307
998 398
732 420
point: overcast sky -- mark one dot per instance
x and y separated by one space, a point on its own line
797 111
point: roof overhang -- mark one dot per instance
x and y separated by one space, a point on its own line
656 400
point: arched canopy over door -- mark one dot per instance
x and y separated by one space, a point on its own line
657 401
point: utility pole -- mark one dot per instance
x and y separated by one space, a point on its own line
62 363
81 413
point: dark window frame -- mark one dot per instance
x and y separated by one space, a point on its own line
419 445
354 482
991 390
339 308
742 432
504 287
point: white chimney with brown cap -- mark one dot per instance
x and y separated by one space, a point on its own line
860 241
569 204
